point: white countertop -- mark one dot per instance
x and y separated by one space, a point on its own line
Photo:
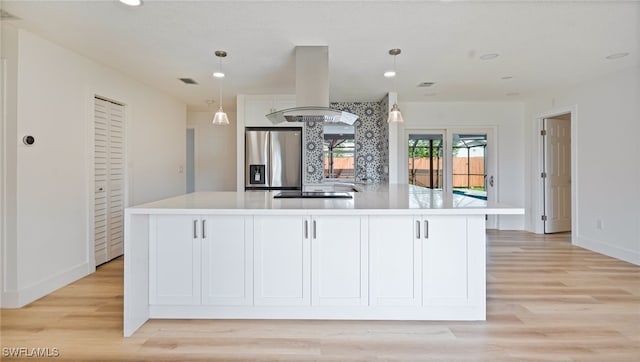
392 199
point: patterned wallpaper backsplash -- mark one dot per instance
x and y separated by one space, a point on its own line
372 142
314 160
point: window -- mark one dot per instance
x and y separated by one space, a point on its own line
425 160
339 151
469 164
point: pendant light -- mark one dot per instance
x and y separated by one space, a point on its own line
395 116
220 118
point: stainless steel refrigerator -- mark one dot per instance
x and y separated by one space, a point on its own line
273 158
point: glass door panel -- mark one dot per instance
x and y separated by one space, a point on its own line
469 164
426 160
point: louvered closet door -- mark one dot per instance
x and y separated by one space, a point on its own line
109 180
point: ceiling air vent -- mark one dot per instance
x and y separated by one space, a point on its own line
426 84
5 15
188 81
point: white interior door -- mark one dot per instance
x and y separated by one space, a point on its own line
109 176
557 175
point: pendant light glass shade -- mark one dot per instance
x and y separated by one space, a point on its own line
220 118
395 116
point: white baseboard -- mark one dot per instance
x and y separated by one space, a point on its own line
24 296
511 222
630 256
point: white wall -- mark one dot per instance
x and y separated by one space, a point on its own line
215 152
506 117
605 158
52 242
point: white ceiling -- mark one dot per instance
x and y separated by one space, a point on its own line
541 44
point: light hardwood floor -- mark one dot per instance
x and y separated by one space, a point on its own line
547 300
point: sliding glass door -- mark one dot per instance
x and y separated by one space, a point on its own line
458 161
426 160
469 164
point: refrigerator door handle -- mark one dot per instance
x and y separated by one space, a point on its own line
268 169
272 156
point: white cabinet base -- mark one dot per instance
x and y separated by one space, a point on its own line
297 266
460 313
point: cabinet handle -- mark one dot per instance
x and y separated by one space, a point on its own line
417 229
306 229
314 229
204 228
426 229
195 229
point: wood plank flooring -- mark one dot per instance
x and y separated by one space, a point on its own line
547 301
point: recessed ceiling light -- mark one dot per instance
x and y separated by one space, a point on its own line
390 73
489 56
218 75
132 2
506 77
617 55
511 94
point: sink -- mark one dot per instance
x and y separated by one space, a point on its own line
312 195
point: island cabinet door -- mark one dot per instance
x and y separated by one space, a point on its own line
339 260
282 260
227 260
395 249
174 259
445 260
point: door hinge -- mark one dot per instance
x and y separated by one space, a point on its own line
543 132
543 174
544 218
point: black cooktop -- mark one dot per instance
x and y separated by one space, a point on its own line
312 195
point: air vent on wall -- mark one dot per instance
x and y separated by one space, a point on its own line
426 84
5 15
188 81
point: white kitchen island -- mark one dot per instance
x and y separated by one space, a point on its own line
391 252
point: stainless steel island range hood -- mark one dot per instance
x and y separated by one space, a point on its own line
312 91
